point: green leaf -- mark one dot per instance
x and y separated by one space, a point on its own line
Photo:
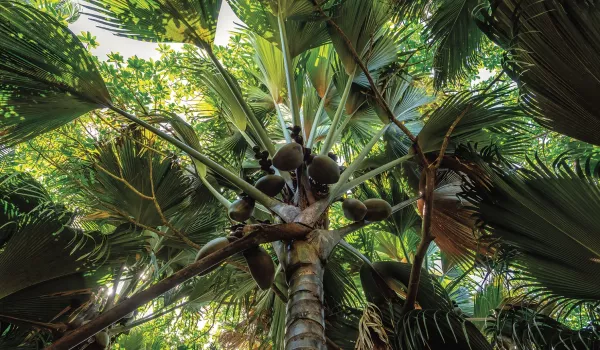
481 110
303 31
360 21
182 21
127 172
47 76
457 38
549 218
551 50
531 329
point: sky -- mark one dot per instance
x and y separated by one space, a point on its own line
129 47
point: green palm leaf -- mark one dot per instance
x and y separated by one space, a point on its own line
126 174
360 21
457 38
552 50
181 21
304 31
481 110
548 216
528 329
434 326
47 76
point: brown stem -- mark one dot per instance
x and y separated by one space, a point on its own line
256 234
305 316
426 239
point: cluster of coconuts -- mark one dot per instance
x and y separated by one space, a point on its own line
373 209
259 262
322 169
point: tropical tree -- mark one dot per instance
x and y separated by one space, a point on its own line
297 152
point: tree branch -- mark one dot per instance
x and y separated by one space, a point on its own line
253 235
426 239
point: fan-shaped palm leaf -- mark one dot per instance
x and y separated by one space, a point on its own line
548 217
360 21
529 329
130 177
303 31
479 111
553 48
457 38
433 326
182 21
47 76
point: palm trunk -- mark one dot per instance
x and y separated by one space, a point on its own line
305 317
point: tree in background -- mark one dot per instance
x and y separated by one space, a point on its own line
305 183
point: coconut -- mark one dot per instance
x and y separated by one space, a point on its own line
211 247
102 339
354 209
289 157
241 209
377 209
270 185
324 170
261 266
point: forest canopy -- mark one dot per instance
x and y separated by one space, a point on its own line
342 174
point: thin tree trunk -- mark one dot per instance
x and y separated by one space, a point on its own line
305 316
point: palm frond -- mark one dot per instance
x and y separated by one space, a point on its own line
434 325
182 21
43 85
360 21
260 17
403 98
216 83
527 329
434 329
457 39
128 175
547 216
552 48
479 110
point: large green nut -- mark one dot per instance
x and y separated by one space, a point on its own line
377 209
261 266
209 248
289 157
103 339
270 185
324 170
241 209
354 209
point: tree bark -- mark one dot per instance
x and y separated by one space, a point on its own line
305 316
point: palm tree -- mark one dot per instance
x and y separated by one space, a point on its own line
324 78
